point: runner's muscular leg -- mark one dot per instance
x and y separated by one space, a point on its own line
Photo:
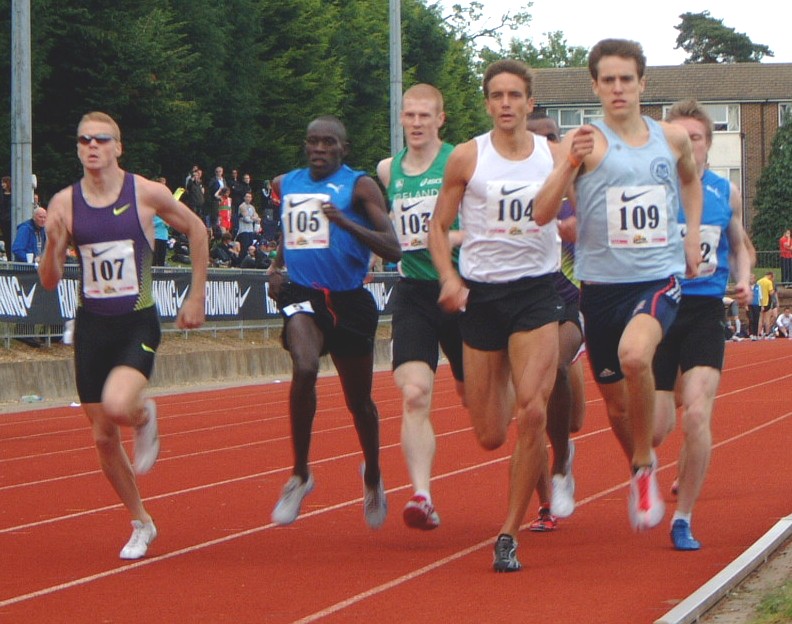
416 380
305 341
114 461
534 359
489 394
356 374
700 384
636 351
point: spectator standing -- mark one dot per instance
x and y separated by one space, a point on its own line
335 218
160 235
224 210
213 188
31 238
195 192
248 221
766 291
5 216
754 308
785 249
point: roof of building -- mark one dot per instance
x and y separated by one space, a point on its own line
715 82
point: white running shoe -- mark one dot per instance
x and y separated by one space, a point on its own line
143 533
562 499
147 444
375 504
645 505
288 507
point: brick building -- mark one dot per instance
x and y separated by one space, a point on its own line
747 102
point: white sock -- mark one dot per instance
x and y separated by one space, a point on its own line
425 494
737 325
678 515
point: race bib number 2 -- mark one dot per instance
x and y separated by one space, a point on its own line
710 239
109 270
305 226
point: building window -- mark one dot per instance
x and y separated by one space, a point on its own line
732 174
725 117
571 118
784 113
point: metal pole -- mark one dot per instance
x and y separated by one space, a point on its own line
396 134
21 117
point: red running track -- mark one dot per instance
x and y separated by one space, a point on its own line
226 454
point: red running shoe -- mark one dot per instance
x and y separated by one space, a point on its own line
545 522
420 514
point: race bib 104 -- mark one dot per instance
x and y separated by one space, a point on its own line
510 208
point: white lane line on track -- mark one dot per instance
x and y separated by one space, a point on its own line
363 595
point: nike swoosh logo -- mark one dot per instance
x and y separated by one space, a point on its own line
244 297
180 297
505 191
96 254
628 198
406 207
121 210
28 298
294 204
146 348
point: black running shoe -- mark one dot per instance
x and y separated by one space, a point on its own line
506 554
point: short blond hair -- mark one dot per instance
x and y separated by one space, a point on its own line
424 91
693 110
103 118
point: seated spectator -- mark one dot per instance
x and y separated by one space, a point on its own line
30 238
226 252
263 259
784 324
249 261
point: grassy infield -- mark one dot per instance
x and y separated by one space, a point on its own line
776 607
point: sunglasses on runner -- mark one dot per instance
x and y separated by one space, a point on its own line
101 139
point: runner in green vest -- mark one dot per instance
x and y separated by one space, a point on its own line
413 179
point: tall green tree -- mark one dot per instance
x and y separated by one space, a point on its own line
554 51
234 82
773 203
707 40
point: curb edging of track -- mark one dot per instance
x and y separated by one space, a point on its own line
704 598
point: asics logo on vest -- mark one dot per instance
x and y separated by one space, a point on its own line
121 210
